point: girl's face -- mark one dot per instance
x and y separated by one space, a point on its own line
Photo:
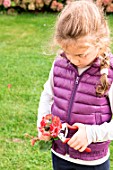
82 54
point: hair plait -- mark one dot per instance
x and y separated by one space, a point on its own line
103 87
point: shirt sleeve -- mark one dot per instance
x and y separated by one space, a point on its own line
104 132
46 98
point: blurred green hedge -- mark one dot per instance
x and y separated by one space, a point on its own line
12 6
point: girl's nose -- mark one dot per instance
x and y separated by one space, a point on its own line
78 61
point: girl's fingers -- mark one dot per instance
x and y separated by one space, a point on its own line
42 137
75 146
78 147
82 149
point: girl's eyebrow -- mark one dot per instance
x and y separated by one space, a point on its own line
85 53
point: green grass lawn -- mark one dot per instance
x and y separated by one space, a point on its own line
25 61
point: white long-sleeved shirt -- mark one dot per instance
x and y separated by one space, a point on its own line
95 133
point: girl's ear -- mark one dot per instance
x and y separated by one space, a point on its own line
98 53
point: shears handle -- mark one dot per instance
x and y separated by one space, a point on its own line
75 128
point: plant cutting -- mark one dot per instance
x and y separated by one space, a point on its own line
51 126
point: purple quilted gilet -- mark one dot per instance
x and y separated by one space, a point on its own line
75 100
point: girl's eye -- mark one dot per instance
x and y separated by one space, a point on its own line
82 55
79 55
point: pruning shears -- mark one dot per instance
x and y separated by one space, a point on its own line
64 132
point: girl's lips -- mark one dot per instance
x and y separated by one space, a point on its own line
80 65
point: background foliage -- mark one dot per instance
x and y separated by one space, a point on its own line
13 6
24 66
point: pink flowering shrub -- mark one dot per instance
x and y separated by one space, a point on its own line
35 5
48 5
106 4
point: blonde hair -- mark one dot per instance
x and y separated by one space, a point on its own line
83 18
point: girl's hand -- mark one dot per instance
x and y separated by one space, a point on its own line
79 140
42 137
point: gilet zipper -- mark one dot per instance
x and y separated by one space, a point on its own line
71 102
72 97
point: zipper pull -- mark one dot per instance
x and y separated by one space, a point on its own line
77 80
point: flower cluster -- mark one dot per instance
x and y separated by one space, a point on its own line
50 126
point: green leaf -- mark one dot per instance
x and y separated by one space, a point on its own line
44 145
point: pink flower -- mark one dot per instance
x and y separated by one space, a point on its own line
6 3
106 2
109 8
59 6
47 2
39 4
54 5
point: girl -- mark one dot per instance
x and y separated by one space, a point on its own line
80 89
